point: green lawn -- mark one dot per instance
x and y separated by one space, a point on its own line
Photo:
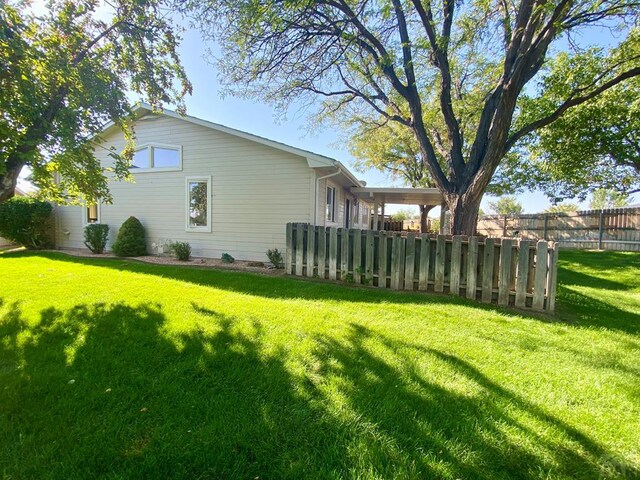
117 369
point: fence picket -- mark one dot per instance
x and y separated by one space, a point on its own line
333 252
299 249
423 266
410 261
552 278
395 261
369 251
357 256
540 275
322 252
504 280
456 257
522 273
344 252
289 249
382 259
487 270
440 264
472 268
311 250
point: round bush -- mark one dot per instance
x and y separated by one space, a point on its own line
131 240
26 221
95 237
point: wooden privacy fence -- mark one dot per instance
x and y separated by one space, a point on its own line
508 272
609 229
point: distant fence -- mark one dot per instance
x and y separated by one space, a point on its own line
611 229
507 272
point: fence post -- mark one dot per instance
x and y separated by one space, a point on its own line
423 266
600 229
344 253
552 277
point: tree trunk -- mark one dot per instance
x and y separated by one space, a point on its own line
424 218
464 213
8 182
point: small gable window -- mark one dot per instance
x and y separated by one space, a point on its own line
157 157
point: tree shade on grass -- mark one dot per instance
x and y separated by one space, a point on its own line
120 369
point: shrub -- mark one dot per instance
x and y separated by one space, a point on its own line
275 257
26 221
95 237
226 258
131 241
181 250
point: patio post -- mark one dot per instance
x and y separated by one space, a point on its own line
375 216
382 215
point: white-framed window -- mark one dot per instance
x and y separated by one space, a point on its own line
91 214
198 204
157 157
331 204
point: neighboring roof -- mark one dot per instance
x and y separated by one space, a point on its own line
314 160
403 196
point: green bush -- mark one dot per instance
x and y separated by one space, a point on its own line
26 221
275 257
181 250
131 241
95 237
226 258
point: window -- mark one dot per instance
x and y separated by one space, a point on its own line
91 214
157 157
198 204
331 204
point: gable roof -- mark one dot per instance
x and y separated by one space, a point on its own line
314 160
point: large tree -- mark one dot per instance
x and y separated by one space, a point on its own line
470 61
65 73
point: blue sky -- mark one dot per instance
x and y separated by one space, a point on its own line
260 119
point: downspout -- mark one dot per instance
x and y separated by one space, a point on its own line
315 196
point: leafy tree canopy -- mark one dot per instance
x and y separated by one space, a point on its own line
452 73
562 208
64 74
594 145
602 198
507 206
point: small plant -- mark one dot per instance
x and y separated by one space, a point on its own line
347 278
181 250
95 237
226 258
275 257
131 241
26 221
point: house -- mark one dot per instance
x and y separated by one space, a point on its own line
220 189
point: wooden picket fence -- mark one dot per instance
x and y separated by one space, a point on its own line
507 272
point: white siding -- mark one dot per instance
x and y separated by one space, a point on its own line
341 195
255 191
